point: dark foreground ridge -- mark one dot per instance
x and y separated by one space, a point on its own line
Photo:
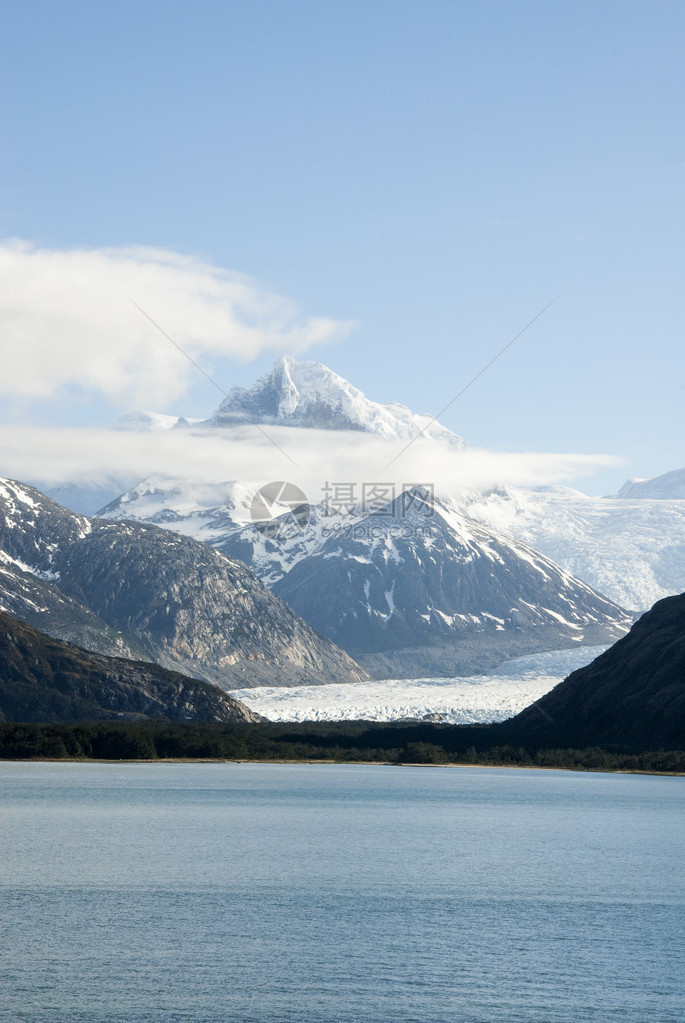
44 679
631 697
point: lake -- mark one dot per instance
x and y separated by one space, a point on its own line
258 893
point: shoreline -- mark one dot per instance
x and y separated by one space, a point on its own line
163 761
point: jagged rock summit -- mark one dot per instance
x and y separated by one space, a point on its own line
310 395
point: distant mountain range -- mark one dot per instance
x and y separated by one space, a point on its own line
134 590
631 696
301 395
630 548
44 679
414 589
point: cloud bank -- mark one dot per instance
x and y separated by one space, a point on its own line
67 322
309 458
68 326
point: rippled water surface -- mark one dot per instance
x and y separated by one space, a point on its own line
213 893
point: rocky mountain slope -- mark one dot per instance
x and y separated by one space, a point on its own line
632 695
165 597
416 589
44 679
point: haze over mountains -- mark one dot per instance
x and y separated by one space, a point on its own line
629 547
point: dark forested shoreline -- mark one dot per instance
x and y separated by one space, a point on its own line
338 742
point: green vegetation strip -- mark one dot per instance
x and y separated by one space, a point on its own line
341 742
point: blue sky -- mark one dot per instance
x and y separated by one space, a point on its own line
434 173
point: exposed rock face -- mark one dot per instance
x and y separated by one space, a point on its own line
44 679
632 696
41 604
417 589
162 596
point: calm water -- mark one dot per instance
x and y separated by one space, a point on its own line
322 894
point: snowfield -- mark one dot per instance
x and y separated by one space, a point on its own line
478 698
630 549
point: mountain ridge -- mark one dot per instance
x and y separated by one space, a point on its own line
167 598
668 486
415 589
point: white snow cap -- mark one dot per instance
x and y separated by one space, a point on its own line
669 486
309 394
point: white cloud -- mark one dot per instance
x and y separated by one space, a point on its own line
309 458
66 322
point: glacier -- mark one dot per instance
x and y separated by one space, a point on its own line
464 700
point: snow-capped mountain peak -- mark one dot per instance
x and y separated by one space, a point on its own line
310 395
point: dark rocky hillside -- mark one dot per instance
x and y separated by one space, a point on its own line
123 588
632 696
43 679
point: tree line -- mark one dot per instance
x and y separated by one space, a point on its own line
335 742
